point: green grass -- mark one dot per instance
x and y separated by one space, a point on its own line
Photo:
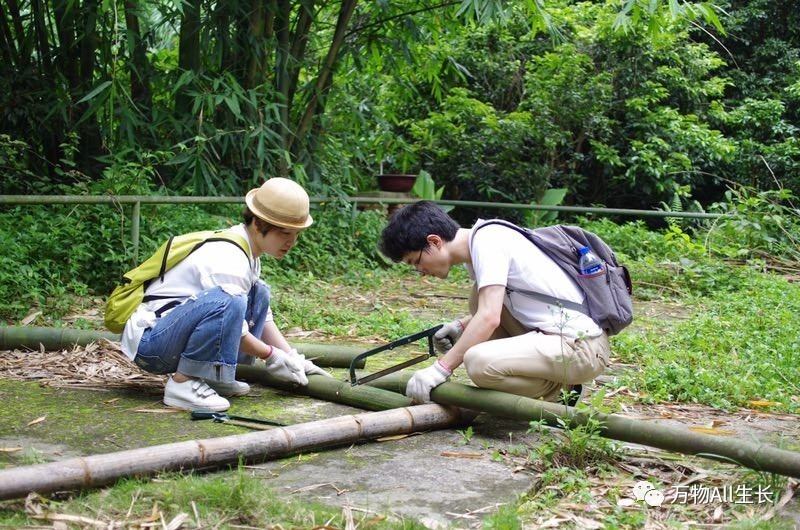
223 500
734 347
236 498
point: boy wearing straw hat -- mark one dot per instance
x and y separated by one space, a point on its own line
212 311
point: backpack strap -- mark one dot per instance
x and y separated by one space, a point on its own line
163 268
234 239
542 297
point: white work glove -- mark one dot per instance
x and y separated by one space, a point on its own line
308 367
447 336
286 367
423 381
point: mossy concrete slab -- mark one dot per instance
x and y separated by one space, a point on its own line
424 476
83 422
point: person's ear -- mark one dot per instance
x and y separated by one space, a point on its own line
435 240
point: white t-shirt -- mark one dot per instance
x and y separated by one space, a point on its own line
214 264
503 256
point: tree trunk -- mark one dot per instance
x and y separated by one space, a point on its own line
38 15
326 70
140 67
282 83
188 53
677 439
90 141
8 48
305 18
68 56
260 446
255 51
24 51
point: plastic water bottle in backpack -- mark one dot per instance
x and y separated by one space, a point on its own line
589 264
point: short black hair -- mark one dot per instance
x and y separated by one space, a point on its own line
261 225
410 226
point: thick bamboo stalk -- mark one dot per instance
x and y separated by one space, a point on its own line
760 457
328 388
329 355
32 337
51 339
99 470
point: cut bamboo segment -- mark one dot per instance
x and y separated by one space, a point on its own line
328 388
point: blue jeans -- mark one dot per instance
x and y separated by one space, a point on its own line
200 338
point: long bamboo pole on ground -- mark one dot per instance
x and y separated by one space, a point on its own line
32 337
52 339
328 388
760 457
99 470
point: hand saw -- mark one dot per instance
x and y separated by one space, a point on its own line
399 342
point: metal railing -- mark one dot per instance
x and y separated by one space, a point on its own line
138 200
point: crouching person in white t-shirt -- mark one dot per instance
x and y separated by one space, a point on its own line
211 311
510 341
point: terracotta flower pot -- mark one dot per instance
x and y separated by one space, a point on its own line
396 182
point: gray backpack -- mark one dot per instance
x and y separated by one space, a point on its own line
607 296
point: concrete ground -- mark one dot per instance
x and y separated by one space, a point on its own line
449 478
440 478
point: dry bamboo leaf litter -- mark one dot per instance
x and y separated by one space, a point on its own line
98 366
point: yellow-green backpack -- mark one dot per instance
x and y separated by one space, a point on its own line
127 296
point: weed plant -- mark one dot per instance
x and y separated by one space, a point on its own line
575 445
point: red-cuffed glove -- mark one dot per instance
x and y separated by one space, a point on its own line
423 381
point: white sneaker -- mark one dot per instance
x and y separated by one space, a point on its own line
235 388
193 394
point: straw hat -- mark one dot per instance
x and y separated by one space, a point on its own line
281 202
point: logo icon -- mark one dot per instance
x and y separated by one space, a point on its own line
644 491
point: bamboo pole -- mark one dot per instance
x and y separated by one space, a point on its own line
32 337
51 339
99 470
328 388
760 457
330 355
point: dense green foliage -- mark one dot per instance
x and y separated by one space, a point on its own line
618 118
622 103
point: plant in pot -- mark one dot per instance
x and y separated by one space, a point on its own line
396 157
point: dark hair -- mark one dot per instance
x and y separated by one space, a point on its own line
261 225
410 226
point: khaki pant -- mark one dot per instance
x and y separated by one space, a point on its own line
531 363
